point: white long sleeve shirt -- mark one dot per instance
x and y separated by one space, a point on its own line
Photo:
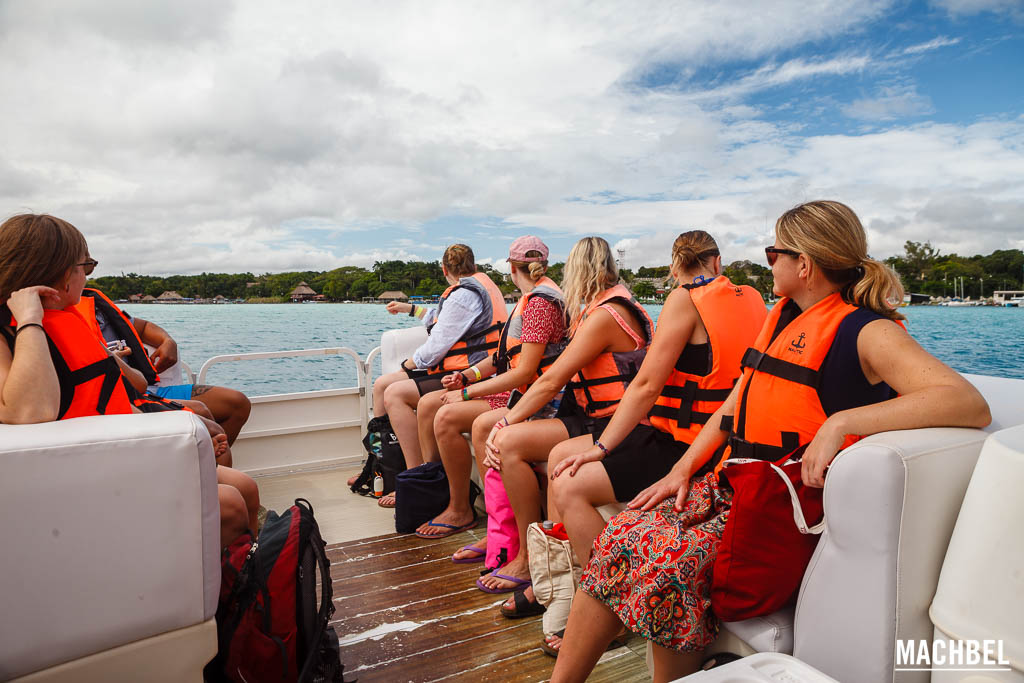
461 309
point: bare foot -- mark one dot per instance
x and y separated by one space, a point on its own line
221 449
352 480
449 516
553 641
518 568
463 554
387 500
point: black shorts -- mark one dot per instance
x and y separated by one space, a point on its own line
425 381
644 456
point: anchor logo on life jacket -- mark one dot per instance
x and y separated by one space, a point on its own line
798 344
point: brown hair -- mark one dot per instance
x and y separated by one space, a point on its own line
459 260
692 248
833 238
532 269
589 270
37 249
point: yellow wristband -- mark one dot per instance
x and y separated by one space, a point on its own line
476 371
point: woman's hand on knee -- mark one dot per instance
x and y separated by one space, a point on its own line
573 462
672 484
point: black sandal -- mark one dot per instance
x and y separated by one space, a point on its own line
523 607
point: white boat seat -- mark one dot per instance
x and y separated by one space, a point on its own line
397 345
112 535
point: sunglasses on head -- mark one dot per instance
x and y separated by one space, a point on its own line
88 265
772 254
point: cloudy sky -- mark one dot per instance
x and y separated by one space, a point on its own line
192 136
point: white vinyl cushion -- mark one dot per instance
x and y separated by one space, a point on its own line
770 633
111 534
397 345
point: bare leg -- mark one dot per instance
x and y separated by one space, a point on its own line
519 445
233 514
382 383
426 410
199 408
578 497
670 665
481 428
450 422
230 408
247 487
400 399
591 627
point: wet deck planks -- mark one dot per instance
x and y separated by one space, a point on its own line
405 612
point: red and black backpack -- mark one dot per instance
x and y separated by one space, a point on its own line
270 626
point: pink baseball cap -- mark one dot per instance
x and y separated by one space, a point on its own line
517 252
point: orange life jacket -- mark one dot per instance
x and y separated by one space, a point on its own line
598 387
90 380
778 409
732 316
482 336
94 300
510 343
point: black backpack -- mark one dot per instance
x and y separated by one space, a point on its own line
270 625
383 456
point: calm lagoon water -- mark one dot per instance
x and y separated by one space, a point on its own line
982 340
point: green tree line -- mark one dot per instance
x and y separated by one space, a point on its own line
926 271
922 268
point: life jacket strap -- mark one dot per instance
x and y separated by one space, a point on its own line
741 448
762 362
684 415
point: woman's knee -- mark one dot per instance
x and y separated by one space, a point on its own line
447 421
234 514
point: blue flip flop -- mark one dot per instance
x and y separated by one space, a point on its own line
452 529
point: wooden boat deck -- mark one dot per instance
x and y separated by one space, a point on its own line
405 612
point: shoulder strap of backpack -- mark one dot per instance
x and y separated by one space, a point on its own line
326 592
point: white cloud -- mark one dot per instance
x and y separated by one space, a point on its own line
890 102
934 44
183 139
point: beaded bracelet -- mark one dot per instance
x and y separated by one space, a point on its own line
601 446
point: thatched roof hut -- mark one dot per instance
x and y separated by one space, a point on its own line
392 295
302 292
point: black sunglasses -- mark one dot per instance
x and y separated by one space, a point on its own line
88 265
772 254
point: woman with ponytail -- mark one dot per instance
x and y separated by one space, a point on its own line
706 325
609 334
836 323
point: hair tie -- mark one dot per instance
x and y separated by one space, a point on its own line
860 271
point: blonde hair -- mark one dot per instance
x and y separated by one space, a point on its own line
693 248
37 249
589 270
532 269
833 238
459 260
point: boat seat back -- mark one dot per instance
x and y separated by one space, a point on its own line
397 345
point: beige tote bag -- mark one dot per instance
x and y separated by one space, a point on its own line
555 575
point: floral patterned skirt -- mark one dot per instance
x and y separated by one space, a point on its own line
653 569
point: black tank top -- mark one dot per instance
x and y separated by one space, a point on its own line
843 384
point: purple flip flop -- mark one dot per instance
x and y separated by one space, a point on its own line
451 529
481 554
519 583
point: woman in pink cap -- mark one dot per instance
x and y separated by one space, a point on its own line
529 343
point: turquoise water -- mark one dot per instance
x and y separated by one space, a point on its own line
983 340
